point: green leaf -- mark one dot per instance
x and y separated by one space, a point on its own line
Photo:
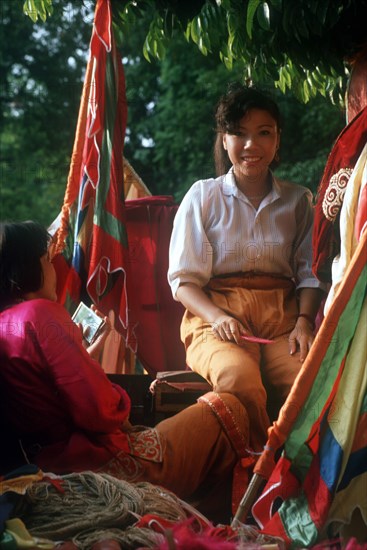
204 35
232 22
251 10
277 4
288 78
202 47
188 31
286 20
322 9
263 16
226 57
225 4
38 8
169 21
30 9
333 14
147 51
160 49
285 78
281 83
306 91
301 25
313 4
195 30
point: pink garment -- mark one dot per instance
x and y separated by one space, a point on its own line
77 424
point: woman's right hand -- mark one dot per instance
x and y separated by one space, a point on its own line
96 347
227 328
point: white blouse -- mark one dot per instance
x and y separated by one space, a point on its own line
218 231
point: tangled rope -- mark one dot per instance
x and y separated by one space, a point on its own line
93 507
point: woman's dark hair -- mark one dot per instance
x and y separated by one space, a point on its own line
21 247
233 106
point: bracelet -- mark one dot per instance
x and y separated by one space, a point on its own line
309 319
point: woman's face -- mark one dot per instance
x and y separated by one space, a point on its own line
253 146
48 288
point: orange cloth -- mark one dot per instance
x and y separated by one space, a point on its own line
267 308
201 446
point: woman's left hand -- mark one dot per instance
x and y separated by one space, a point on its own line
301 336
96 347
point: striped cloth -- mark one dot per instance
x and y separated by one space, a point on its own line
321 477
92 235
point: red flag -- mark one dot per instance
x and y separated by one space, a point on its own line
92 235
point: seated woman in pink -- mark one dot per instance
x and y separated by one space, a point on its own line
67 414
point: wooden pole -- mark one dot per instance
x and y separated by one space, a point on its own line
255 485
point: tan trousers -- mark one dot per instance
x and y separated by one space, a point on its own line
200 451
267 307
193 453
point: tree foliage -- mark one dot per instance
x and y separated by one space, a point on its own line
42 68
171 103
171 128
302 45
171 114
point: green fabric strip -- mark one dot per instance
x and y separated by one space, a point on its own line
295 448
297 521
102 218
364 405
295 512
110 104
113 227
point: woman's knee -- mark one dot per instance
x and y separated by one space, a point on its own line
248 389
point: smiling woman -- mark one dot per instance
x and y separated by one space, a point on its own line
256 116
251 149
240 263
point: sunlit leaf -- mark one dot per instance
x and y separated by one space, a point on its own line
38 9
263 16
251 10
277 4
30 9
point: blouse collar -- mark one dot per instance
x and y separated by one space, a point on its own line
230 188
